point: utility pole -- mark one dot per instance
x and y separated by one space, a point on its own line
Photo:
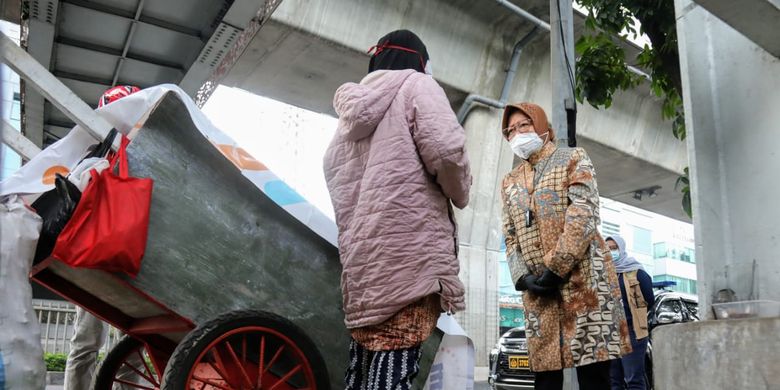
564 108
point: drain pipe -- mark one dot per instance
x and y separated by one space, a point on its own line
539 24
524 14
510 77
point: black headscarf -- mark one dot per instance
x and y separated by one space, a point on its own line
389 52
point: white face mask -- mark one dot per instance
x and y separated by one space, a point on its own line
429 68
615 254
526 144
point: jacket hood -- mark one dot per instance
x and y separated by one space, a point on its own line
361 107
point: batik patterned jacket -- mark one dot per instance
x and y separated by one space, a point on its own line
585 322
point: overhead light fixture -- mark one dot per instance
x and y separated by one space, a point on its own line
650 192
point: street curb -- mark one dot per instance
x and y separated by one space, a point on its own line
55 378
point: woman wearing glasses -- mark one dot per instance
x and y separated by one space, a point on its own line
573 308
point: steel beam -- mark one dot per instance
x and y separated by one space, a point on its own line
18 143
39 46
128 39
52 89
117 52
107 9
225 47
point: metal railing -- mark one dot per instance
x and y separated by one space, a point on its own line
58 323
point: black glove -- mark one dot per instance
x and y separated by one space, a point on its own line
550 279
529 282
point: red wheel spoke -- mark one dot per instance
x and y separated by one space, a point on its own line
273 360
219 367
286 377
238 363
210 383
136 385
243 349
147 368
218 370
137 371
215 366
260 370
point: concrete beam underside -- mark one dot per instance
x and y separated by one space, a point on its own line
757 20
304 69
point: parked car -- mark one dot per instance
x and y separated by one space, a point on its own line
670 308
509 369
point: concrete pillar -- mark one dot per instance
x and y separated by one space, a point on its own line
730 90
480 229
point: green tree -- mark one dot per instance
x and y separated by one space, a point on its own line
602 68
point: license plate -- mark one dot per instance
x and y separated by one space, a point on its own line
518 362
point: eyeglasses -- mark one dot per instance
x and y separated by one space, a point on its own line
521 127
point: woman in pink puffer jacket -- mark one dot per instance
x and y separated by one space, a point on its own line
394 168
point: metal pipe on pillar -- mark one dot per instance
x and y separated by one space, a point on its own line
514 62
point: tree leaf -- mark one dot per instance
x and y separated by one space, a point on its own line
686 204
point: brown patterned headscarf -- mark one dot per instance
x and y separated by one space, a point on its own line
533 111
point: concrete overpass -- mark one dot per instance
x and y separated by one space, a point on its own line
309 48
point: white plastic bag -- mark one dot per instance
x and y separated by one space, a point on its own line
80 175
20 338
453 366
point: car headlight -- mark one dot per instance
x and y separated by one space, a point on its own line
523 346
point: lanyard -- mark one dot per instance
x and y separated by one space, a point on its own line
529 215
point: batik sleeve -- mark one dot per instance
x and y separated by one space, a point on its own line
517 267
582 215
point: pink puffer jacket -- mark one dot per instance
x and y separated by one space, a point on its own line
396 161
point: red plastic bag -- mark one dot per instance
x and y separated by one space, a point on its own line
109 227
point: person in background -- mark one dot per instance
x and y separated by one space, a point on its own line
89 331
573 313
394 168
636 287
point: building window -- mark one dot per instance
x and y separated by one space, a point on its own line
659 250
15 111
610 229
643 241
683 285
663 250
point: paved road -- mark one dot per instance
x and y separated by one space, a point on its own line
477 386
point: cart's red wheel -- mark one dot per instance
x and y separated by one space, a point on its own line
252 357
246 350
127 366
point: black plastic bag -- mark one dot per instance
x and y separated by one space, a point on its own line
55 208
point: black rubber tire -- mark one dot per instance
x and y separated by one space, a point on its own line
188 350
104 375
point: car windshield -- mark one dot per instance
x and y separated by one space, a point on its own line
514 333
